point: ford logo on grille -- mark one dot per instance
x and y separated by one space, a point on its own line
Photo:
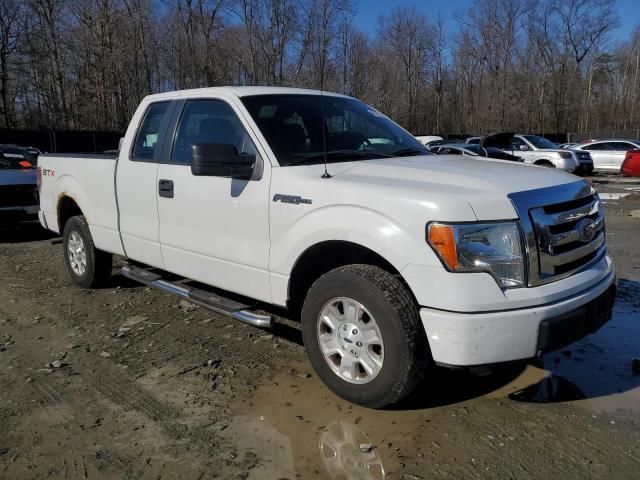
586 230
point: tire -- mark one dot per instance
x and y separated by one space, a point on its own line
403 353
95 271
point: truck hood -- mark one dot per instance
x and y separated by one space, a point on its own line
484 184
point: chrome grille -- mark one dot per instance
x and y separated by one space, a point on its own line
584 157
564 230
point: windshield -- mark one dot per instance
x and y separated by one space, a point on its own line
540 142
293 125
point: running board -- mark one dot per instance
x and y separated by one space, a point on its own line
205 299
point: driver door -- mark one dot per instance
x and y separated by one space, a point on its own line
522 149
214 229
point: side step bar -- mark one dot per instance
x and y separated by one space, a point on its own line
205 299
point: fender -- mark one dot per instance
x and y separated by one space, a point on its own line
356 224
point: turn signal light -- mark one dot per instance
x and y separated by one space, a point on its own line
25 164
441 237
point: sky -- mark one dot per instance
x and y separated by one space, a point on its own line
370 10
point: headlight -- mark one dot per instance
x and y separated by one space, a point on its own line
565 155
481 247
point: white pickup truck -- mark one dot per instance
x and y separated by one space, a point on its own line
394 259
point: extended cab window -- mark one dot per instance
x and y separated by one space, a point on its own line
144 146
209 122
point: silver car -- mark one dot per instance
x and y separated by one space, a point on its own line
608 155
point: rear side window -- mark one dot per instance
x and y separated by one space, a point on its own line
622 146
148 135
597 147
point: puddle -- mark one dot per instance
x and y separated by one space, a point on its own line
596 372
607 197
296 428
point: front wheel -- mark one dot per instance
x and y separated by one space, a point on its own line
363 335
88 266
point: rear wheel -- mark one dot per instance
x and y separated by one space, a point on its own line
363 334
88 266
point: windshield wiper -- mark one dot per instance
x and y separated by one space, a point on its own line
338 154
410 151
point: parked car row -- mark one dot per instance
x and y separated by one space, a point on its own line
528 149
608 155
579 158
472 150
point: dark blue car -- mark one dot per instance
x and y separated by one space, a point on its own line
18 186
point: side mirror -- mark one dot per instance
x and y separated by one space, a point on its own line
221 160
523 148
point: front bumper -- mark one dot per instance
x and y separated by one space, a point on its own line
466 339
584 169
558 332
566 164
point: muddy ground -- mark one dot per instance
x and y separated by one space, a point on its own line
127 382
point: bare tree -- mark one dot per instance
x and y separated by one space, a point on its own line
528 65
11 34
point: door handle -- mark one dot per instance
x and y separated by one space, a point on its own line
165 188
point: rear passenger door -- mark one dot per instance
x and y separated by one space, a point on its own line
214 229
136 179
600 153
618 152
522 149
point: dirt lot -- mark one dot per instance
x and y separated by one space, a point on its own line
127 382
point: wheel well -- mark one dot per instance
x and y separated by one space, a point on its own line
543 161
67 208
324 257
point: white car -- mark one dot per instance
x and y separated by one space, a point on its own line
427 139
608 155
393 258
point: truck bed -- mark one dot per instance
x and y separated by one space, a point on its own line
91 178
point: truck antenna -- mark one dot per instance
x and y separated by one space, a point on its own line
324 140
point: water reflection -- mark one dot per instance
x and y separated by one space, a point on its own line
296 428
550 389
598 369
348 454
345 451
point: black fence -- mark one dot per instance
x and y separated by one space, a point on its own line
67 141
628 134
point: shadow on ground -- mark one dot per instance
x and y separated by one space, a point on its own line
28 232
